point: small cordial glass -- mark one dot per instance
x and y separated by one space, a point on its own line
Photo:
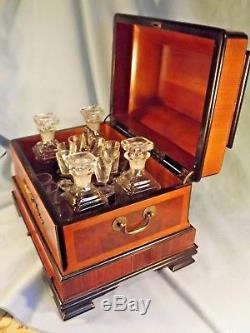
93 116
77 143
98 145
89 137
112 148
45 179
61 157
103 168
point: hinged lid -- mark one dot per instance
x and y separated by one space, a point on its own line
177 84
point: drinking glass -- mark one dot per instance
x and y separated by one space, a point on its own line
53 193
45 180
103 168
61 157
112 148
77 143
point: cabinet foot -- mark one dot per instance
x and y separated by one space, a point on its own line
80 304
180 264
180 260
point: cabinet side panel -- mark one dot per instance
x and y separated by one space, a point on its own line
228 89
33 200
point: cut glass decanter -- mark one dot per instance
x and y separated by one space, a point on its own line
137 180
83 195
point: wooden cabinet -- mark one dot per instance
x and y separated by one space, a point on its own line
181 86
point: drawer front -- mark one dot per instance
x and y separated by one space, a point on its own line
149 257
107 235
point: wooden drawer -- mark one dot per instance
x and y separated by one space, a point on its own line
94 240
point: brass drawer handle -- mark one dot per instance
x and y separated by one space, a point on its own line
33 202
120 223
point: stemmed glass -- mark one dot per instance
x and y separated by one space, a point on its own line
66 181
112 148
103 169
77 143
137 180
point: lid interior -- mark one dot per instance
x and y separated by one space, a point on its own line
160 85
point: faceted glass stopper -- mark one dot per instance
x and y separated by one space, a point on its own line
82 166
138 142
46 124
83 195
93 116
137 151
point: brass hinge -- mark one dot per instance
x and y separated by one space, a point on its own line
182 173
186 176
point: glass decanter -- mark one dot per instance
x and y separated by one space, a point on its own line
46 124
93 116
83 195
137 180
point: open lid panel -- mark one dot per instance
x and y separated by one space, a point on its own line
180 85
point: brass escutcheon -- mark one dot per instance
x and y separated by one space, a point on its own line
33 202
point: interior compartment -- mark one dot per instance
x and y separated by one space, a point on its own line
160 85
166 179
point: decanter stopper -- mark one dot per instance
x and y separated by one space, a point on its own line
46 149
137 152
93 116
83 195
46 124
82 166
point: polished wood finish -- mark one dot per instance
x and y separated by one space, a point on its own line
34 201
176 84
243 85
178 92
228 91
74 292
95 240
